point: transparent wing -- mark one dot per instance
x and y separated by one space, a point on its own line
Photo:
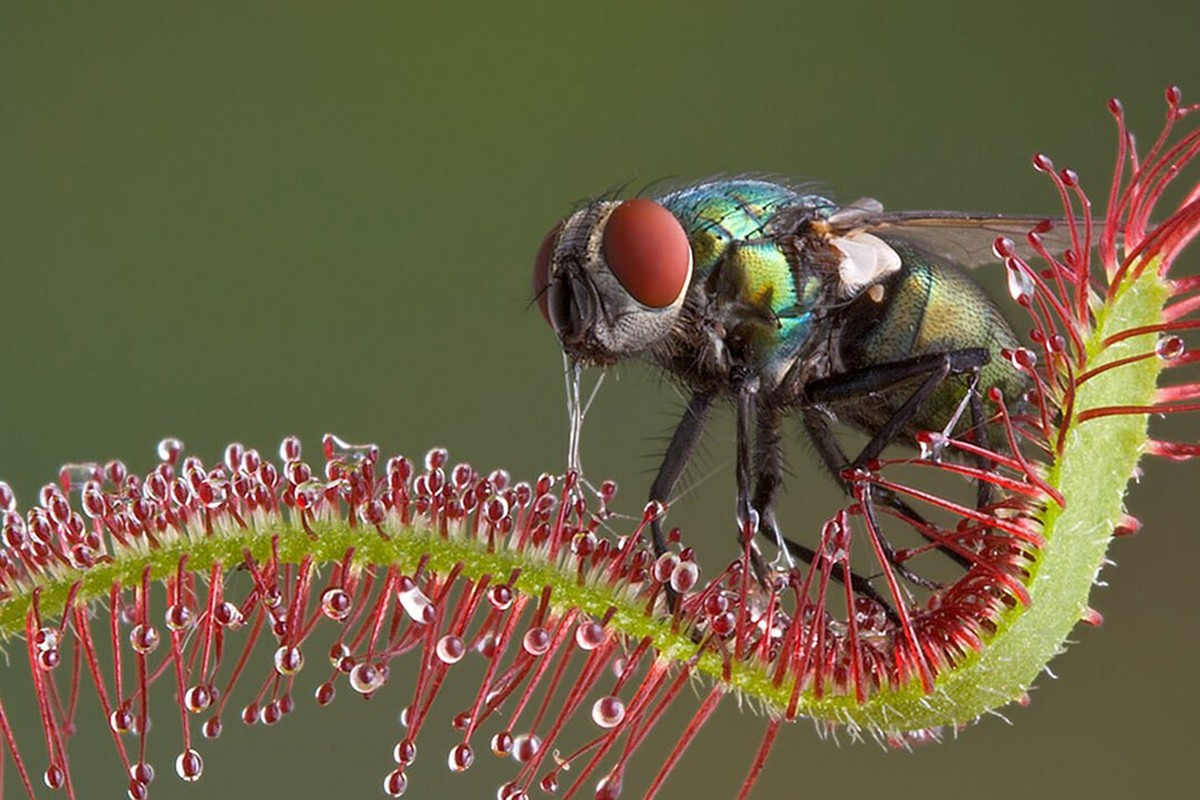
964 238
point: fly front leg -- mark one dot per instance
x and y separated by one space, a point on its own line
679 452
768 475
745 402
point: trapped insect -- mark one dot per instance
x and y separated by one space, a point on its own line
784 302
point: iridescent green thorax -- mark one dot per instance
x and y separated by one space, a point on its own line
718 213
727 226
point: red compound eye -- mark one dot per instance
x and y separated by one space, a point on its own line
648 251
541 272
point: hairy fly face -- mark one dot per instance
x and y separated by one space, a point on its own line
611 279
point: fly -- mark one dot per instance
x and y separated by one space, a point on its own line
786 303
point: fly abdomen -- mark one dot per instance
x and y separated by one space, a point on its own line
926 308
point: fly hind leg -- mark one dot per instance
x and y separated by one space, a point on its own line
835 462
933 369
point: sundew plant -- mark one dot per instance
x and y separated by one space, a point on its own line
112 581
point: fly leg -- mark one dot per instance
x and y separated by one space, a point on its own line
745 399
936 368
768 480
972 401
984 490
834 459
768 474
679 451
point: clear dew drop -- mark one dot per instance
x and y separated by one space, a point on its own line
325 693
501 597
272 597
309 494
214 495
835 540
270 713
1020 283
461 758
609 787
502 743
583 544
536 641
54 777
48 660
46 639
143 639
1169 347
365 678
120 720
525 747
289 449
486 645
417 605
405 752
395 784
197 698
450 649
589 635
168 449
684 576
288 660
352 455
511 791
664 566
436 457
1003 247
142 772
212 728
608 712
228 615
336 604
1023 358
178 617
189 765
337 653
496 509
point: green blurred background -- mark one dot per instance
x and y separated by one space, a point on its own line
288 218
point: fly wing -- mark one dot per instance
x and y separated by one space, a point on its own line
963 238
